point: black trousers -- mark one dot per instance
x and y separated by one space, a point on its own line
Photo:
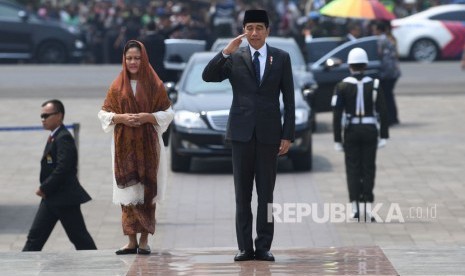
251 160
70 217
360 146
388 88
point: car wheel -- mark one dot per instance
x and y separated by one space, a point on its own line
424 50
51 52
310 99
166 136
179 163
313 120
303 161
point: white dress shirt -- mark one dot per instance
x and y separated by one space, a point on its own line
135 194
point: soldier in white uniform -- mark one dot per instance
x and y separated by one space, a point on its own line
359 108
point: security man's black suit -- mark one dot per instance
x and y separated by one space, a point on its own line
63 195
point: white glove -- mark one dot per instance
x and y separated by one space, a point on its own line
338 146
382 143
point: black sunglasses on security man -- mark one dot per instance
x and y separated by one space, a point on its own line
46 115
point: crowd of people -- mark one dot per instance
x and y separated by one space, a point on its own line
107 25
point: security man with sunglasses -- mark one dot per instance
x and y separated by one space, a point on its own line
60 190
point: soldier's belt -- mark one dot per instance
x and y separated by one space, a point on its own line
363 120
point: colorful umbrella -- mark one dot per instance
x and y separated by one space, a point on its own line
365 9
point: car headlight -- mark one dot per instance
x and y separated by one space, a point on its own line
188 119
72 29
301 116
78 44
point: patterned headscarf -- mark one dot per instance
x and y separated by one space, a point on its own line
136 148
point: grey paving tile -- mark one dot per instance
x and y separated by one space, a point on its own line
421 166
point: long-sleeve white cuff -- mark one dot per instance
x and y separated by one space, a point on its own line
105 118
164 119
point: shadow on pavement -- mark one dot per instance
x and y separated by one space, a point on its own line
15 219
223 165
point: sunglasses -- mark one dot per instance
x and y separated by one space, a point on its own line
46 115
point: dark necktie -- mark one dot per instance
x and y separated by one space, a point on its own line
256 65
50 139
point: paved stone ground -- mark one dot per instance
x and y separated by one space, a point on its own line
201 261
420 172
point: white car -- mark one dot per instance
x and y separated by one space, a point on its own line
438 32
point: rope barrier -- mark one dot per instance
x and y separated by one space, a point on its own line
75 127
33 128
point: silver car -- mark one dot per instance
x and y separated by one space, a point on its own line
201 116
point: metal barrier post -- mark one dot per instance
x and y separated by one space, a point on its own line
76 129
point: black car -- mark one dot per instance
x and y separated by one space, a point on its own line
320 46
178 52
332 68
300 70
327 65
201 115
25 36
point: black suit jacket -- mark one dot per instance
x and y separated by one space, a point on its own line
58 173
155 45
256 107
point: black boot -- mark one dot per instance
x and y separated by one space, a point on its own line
355 210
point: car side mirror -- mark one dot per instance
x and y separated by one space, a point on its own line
332 62
171 91
23 15
308 92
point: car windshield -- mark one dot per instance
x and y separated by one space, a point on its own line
341 52
194 83
297 59
294 53
450 16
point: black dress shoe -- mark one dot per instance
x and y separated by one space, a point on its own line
142 251
126 251
357 216
264 256
244 255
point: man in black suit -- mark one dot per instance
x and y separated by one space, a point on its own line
258 74
155 45
60 190
354 31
